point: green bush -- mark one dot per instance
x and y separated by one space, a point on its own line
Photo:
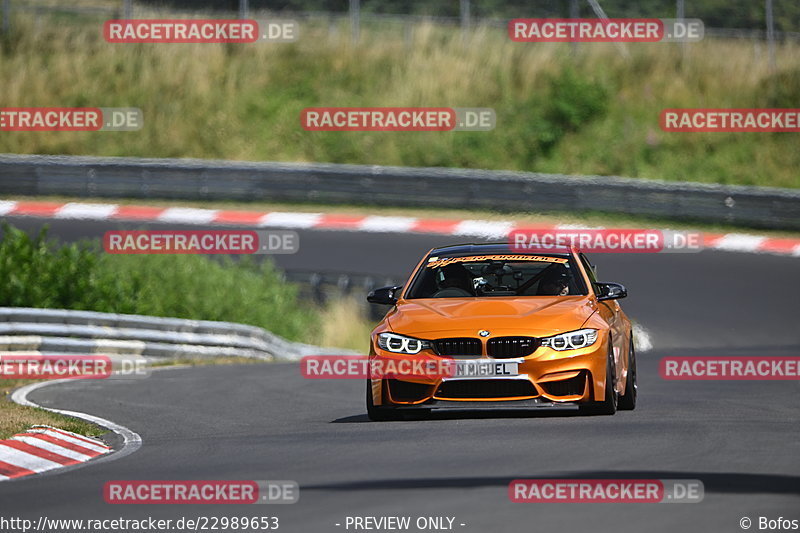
781 89
36 272
572 102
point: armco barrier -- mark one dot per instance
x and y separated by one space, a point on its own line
190 179
87 332
321 287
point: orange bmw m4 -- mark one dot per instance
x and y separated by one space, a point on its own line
521 330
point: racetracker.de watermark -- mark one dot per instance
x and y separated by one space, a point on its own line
620 30
176 31
397 119
71 119
590 240
216 492
730 368
141 524
606 491
201 242
402 366
731 120
23 366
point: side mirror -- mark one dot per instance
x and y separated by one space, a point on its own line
384 295
611 291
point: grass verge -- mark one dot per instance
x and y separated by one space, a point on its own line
575 110
343 325
16 418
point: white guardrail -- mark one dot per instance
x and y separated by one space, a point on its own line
61 331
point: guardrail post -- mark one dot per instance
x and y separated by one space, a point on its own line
574 13
355 20
680 14
770 35
602 15
465 19
127 9
6 16
344 284
316 288
243 9
333 30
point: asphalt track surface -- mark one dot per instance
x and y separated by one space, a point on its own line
266 422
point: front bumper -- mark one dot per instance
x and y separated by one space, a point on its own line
546 378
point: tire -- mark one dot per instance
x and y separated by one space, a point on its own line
627 402
379 414
608 406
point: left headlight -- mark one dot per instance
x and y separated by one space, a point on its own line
392 342
572 340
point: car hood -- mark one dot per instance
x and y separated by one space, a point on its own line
538 316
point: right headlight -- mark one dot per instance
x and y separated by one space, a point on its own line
573 340
392 342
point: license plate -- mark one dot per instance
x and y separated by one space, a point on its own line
480 369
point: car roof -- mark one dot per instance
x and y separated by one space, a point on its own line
459 250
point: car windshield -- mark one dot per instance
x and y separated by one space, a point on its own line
485 276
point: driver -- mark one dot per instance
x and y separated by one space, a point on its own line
455 276
555 283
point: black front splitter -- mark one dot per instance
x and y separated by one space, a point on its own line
534 403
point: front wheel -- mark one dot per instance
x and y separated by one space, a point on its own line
608 406
627 402
376 413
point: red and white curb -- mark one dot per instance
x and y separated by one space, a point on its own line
734 242
44 448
